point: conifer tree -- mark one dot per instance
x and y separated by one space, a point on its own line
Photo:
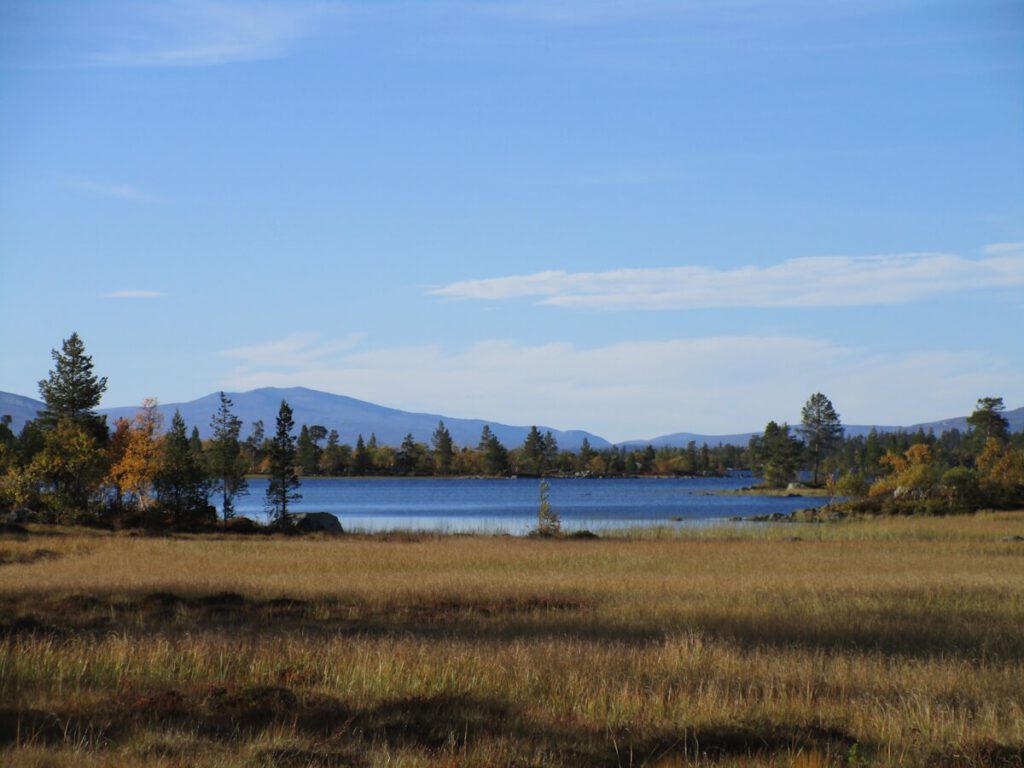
282 488
72 391
495 455
532 453
821 430
444 451
988 421
180 483
224 457
586 453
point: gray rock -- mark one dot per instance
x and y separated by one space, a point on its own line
316 522
1013 538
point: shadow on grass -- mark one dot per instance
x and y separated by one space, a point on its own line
901 627
335 733
431 723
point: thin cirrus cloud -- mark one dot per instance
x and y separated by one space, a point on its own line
107 189
644 387
189 33
296 351
825 281
133 294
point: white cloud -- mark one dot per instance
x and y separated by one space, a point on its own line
296 351
183 33
133 294
807 282
107 189
636 389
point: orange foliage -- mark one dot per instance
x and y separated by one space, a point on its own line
139 447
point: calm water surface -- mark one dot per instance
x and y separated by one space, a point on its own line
460 505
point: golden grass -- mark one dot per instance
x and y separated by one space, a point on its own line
890 642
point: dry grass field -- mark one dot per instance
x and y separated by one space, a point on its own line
887 642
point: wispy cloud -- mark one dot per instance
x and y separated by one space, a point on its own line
635 389
107 189
296 351
807 282
184 33
133 294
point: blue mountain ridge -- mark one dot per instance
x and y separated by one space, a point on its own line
352 417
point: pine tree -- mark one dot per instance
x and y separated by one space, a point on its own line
779 453
361 464
444 450
549 446
495 455
195 444
532 461
180 483
410 455
821 430
584 456
72 391
283 482
224 456
988 421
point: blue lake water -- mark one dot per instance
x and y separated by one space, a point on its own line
477 505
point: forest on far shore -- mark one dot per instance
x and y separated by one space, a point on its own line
69 465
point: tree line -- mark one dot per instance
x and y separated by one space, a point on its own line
69 464
898 472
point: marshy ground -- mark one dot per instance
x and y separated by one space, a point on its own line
890 642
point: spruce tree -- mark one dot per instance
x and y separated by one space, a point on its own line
283 482
224 456
72 391
361 462
444 451
584 456
495 455
180 483
532 453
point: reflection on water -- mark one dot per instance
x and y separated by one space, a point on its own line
476 505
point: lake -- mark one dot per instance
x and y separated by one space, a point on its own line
492 506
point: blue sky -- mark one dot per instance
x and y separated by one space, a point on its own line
633 217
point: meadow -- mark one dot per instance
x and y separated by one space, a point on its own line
865 642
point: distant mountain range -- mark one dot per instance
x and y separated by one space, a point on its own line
1015 417
352 417
349 416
